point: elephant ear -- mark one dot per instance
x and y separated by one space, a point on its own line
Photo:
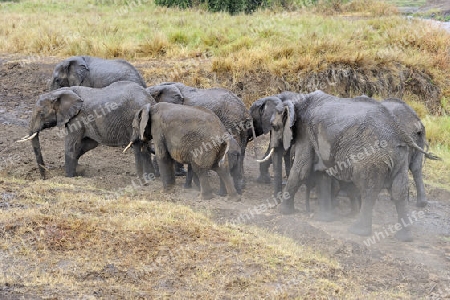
77 70
287 127
141 120
67 105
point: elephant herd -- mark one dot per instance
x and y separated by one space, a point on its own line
356 146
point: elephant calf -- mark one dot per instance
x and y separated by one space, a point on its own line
179 135
90 117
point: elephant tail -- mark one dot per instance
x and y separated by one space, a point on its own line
222 160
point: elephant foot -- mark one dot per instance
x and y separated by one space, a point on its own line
421 203
234 198
287 208
360 229
325 216
187 186
222 193
207 196
404 235
352 213
169 189
263 179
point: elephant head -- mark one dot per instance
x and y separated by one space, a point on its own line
51 109
273 114
166 92
70 72
141 126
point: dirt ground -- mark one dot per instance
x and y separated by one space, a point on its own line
420 268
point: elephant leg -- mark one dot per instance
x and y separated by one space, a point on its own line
189 175
205 188
399 194
196 180
300 171
143 159
264 176
225 177
355 200
363 225
156 167
277 170
416 169
222 189
237 183
307 196
239 177
287 162
167 170
325 213
149 170
138 159
73 148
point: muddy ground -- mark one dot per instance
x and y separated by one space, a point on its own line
420 268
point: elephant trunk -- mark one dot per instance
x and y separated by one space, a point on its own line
37 151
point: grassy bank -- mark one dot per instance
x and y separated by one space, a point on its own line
363 36
345 49
64 239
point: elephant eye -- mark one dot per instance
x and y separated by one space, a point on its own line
419 133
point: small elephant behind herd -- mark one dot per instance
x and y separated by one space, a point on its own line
356 145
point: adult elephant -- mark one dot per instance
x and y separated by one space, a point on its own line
413 126
90 117
227 106
179 135
93 72
262 112
354 140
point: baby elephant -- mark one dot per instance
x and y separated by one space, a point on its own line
188 135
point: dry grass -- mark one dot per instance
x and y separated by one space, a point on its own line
69 241
363 36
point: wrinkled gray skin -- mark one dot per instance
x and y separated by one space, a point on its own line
262 112
226 105
234 152
329 131
412 125
177 131
93 72
91 117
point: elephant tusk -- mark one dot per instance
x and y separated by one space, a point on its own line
27 138
127 147
267 157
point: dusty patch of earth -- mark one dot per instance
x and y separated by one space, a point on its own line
420 268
